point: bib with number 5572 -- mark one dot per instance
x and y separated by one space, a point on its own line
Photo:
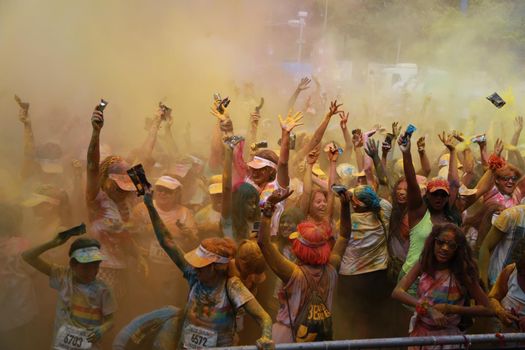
199 338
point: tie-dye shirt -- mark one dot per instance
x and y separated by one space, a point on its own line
212 309
80 305
443 288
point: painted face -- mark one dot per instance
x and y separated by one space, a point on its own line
261 176
437 199
207 274
401 192
319 205
85 273
445 246
506 184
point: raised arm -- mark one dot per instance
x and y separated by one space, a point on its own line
281 266
372 151
453 175
319 132
29 139
332 153
416 206
345 230
287 125
358 141
307 180
147 147
423 158
163 234
93 156
33 257
303 85
518 127
226 205
346 156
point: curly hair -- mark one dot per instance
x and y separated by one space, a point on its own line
225 247
318 234
461 264
103 172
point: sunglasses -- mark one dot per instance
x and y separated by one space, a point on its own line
508 178
451 244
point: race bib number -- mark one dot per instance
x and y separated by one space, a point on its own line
157 254
72 338
199 338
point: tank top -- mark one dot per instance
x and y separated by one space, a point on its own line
418 235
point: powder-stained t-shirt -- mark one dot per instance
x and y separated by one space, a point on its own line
210 312
511 222
367 250
80 305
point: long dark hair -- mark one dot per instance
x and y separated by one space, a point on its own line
462 265
241 195
398 212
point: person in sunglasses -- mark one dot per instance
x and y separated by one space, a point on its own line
448 278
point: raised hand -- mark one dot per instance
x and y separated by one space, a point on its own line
458 135
334 108
371 148
304 84
396 129
404 143
344 119
332 151
498 147
312 157
291 121
220 114
421 144
447 140
279 195
97 120
24 109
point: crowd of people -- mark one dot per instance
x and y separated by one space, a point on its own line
311 241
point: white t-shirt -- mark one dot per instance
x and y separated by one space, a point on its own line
367 250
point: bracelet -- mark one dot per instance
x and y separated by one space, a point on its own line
422 308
